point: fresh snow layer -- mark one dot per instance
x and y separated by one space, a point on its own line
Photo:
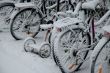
66 21
20 5
90 4
13 58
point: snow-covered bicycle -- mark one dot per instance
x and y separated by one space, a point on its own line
7 11
100 57
72 45
27 21
50 36
101 54
44 50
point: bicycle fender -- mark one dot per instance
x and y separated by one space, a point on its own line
98 47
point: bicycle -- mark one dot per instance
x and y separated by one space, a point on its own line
44 52
7 10
100 58
73 42
44 15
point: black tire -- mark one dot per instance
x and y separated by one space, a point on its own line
28 23
6 8
58 58
102 56
49 39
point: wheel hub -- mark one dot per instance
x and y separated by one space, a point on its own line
75 53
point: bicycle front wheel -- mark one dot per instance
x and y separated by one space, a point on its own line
26 23
101 62
65 49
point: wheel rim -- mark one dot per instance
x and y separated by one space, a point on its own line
102 63
45 50
65 48
5 12
27 44
26 24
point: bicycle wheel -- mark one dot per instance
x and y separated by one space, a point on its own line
101 62
45 50
65 49
29 41
26 23
6 9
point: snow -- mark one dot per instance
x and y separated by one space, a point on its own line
46 26
22 5
90 4
66 21
98 47
76 11
107 28
103 18
13 58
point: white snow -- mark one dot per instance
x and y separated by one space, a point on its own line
66 21
103 18
107 28
13 58
98 47
23 5
46 26
90 4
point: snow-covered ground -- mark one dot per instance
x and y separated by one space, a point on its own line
13 58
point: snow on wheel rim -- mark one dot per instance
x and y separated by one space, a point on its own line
61 61
65 54
29 41
45 50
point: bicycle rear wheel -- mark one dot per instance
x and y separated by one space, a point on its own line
65 54
26 23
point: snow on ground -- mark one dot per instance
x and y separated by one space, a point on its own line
13 59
